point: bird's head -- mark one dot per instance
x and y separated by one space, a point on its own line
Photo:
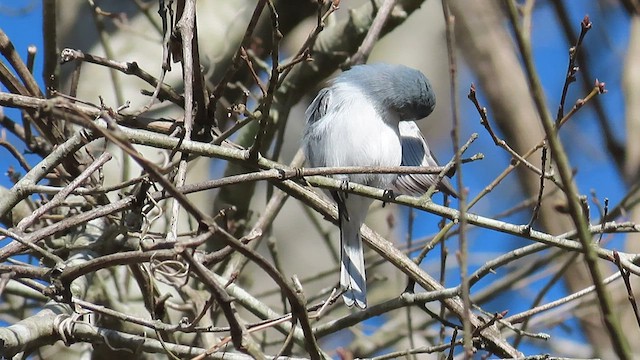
396 88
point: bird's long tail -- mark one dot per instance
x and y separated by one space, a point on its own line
353 211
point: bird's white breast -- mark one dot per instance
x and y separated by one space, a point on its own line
354 132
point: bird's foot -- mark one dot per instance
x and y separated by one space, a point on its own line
344 186
387 195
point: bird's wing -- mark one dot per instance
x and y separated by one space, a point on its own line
415 152
318 107
311 138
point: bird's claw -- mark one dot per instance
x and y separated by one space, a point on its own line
344 186
387 195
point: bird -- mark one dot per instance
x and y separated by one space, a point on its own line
366 117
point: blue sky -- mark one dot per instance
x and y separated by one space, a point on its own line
22 24
605 44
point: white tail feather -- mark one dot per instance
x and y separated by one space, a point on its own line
352 270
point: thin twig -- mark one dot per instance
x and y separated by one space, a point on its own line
222 299
627 283
517 318
362 54
235 62
410 221
129 68
304 54
265 106
572 69
536 209
484 120
618 338
596 90
541 294
105 41
462 254
63 193
51 68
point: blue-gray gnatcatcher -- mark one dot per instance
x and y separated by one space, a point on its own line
365 118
